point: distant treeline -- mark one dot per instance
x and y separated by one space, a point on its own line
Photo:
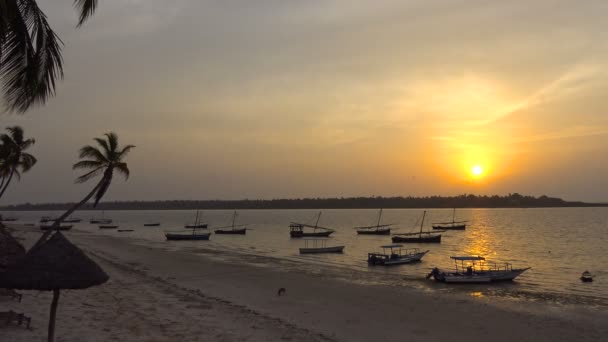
463 201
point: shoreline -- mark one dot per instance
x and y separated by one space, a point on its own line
320 307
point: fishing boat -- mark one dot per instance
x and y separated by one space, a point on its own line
316 246
474 269
297 230
454 225
155 224
395 255
234 229
51 227
45 219
419 237
191 234
197 222
100 220
107 226
72 220
8 219
125 230
378 229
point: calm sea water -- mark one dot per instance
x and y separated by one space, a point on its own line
558 243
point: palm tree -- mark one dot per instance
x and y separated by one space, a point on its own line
13 158
102 160
30 52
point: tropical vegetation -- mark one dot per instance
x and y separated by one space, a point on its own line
30 52
14 160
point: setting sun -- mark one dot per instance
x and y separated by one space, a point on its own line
477 170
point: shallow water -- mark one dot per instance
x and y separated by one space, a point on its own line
558 243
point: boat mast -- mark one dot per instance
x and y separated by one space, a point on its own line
196 219
454 216
318 218
233 219
379 217
422 222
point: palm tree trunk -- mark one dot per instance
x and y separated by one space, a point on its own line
78 205
8 181
51 336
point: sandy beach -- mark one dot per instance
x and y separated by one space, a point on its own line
156 294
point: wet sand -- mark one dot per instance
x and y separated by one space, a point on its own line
156 294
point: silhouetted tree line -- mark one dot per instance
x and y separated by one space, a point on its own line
462 201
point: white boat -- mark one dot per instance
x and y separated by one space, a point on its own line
474 269
314 246
395 255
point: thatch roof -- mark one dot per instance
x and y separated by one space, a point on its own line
53 264
10 249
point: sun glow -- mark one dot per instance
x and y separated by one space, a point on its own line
477 170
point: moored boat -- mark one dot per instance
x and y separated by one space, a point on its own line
586 277
72 220
315 246
378 229
419 237
298 230
155 224
476 270
51 227
234 229
108 226
100 220
192 234
395 255
454 225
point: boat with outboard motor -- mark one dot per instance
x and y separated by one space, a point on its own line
474 269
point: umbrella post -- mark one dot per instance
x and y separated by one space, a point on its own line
52 316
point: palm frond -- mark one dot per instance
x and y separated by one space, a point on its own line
31 56
92 152
104 145
16 134
123 169
86 8
89 175
88 164
123 153
113 141
27 161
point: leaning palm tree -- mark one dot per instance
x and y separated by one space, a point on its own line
30 52
102 160
13 158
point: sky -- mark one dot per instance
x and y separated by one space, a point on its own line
233 99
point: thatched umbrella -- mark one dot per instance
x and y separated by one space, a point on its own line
10 249
52 265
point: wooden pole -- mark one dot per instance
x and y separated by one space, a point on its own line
51 336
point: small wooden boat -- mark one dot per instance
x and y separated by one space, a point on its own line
51 227
45 219
395 256
155 224
420 237
107 226
197 222
125 230
378 229
234 229
193 234
296 230
586 277
454 225
72 220
476 270
101 220
314 246
8 219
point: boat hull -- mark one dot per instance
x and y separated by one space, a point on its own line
196 226
151 224
72 220
392 261
320 250
299 234
242 231
450 226
100 221
59 228
374 232
107 227
476 277
187 236
417 239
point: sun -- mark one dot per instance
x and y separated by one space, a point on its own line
477 170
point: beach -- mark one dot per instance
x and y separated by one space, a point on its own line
156 293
